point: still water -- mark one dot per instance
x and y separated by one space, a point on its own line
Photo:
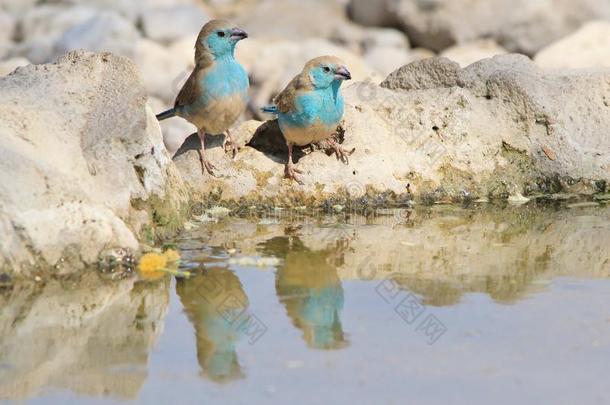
436 305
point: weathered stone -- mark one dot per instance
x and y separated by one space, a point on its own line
470 52
83 167
373 12
424 74
498 127
8 66
107 32
42 26
587 47
291 19
519 26
163 71
185 21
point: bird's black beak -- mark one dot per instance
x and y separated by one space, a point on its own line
343 74
238 34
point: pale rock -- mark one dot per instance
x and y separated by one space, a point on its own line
17 7
88 157
42 26
173 23
52 20
291 19
107 31
470 52
519 26
386 59
384 37
9 65
7 27
184 49
499 127
130 10
163 72
373 12
587 47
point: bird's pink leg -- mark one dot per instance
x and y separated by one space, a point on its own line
291 172
342 154
231 143
205 163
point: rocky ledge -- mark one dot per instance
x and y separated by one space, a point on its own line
83 168
432 130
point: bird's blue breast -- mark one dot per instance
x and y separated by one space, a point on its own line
226 78
325 106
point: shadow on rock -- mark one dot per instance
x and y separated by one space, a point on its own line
193 143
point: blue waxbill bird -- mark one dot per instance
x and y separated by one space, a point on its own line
310 108
216 93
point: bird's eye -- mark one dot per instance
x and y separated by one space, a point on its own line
221 34
326 69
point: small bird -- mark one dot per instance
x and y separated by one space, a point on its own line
216 93
311 107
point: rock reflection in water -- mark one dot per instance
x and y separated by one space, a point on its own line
442 252
90 337
214 302
308 286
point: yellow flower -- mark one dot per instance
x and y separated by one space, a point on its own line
171 256
152 265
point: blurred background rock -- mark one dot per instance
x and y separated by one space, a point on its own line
374 37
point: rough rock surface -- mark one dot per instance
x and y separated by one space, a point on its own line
498 127
587 47
519 25
8 66
474 51
82 164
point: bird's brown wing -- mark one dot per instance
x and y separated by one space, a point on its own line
285 100
191 89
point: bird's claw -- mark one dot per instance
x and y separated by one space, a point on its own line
232 146
291 173
342 153
206 165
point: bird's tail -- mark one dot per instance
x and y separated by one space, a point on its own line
166 114
270 109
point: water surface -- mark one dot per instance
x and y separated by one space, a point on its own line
435 305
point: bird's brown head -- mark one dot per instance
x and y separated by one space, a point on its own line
217 39
323 71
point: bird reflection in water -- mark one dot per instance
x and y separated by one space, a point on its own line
213 301
308 286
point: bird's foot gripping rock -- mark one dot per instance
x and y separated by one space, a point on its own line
290 172
341 153
206 165
229 145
